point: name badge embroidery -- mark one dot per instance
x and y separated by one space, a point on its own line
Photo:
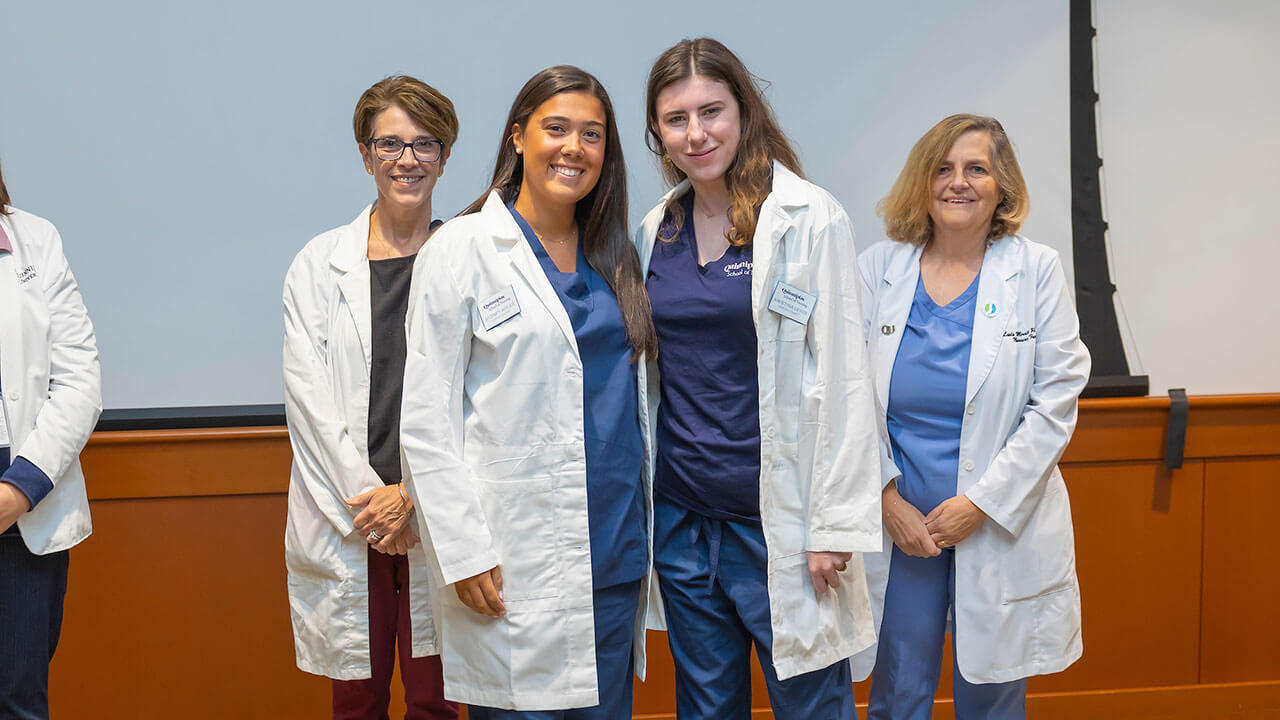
26 274
499 308
1021 335
793 303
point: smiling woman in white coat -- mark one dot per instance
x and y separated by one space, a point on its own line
521 425
765 457
978 367
50 398
358 588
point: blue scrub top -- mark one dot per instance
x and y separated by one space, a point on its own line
926 396
708 436
611 414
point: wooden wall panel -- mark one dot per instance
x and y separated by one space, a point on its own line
1139 571
1240 633
177 604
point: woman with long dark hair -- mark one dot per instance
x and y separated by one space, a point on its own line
766 474
521 418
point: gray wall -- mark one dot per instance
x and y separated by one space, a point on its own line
188 150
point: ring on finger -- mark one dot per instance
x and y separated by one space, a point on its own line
374 536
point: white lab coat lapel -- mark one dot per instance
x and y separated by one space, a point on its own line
12 371
899 290
350 257
508 238
998 286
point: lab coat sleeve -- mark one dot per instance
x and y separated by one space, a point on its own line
68 416
1015 480
844 499
438 328
870 284
328 464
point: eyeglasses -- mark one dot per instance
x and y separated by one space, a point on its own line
389 148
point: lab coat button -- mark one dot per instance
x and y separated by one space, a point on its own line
970 409
771 433
968 465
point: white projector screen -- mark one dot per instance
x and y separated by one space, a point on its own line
187 151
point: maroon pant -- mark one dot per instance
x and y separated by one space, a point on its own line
389 626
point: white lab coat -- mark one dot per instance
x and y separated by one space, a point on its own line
819 468
492 431
51 380
1017 606
327 357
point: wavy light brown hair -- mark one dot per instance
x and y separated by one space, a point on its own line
750 175
4 197
423 104
905 210
601 215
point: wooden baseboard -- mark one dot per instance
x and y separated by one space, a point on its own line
1227 701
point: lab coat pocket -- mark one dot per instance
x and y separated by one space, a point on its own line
1041 560
522 518
802 619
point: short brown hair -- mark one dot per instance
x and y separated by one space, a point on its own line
905 210
424 105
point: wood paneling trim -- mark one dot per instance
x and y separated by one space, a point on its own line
255 460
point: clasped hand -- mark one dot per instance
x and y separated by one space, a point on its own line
951 522
383 519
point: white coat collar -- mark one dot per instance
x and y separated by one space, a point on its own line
11 336
997 288
509 240
350 257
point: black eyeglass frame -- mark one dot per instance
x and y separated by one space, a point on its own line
416 144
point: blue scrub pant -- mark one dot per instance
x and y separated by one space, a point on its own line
712 577
614 609
32 588
909 659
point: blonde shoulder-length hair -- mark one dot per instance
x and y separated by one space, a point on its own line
906 209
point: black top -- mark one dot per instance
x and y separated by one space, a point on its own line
389 296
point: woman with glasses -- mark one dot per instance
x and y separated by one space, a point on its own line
356 592
766 475
521 423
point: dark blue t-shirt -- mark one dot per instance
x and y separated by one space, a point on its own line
611 416
708 444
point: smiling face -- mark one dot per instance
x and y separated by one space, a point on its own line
562 146
964 192
699 124
405 183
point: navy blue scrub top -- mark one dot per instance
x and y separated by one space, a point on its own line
708 444
926 396
611 413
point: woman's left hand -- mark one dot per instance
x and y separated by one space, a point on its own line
825 569
953 520
384 512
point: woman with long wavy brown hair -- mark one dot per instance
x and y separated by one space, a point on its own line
527 329
766 474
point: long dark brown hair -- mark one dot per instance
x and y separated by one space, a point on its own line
749 176
602 214
4 197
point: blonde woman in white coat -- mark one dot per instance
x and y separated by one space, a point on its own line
522 418
51 400
766 461
978 365
357 588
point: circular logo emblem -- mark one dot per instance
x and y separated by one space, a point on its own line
989 309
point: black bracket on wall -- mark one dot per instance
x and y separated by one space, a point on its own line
1094 291
1176 438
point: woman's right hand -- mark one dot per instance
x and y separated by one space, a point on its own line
906 524
483 592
